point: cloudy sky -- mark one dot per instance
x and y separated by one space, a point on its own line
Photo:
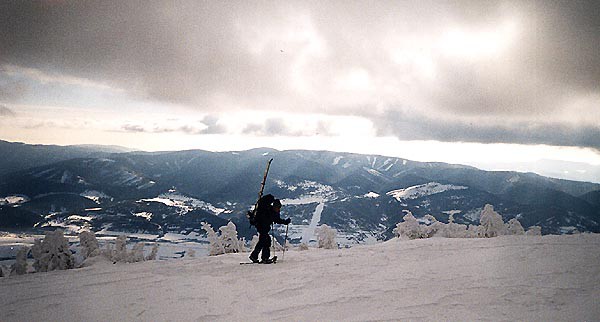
475 82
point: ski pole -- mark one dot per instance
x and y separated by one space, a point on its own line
285 241
273 241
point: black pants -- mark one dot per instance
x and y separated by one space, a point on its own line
264 245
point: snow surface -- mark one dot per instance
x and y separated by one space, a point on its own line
549 278
371 194
185 203
144 214
94 195
423 190
307 232
13 200
337 159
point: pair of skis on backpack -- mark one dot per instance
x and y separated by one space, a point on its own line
271 260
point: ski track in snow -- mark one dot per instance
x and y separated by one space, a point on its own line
549 278
309 233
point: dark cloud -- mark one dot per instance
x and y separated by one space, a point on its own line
290 55
6 112
183 51
410 126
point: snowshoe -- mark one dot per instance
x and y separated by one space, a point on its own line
269 260
254 259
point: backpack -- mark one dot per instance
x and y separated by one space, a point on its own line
260 210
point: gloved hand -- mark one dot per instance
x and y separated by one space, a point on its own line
287 221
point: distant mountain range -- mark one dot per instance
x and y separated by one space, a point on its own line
19 156
362 196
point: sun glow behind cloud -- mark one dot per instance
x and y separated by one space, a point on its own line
462 42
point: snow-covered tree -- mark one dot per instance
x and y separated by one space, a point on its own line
409 228
225 242
326 237
454 230
242 245
215 245
434 227
20 266
153 252
491 222
137 253
534 231
89 244
229 238
119 254
474 231
52 252
514 227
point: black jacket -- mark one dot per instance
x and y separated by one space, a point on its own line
265 218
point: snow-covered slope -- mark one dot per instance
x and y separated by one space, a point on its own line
422 190
549 278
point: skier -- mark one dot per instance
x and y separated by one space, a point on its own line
267 214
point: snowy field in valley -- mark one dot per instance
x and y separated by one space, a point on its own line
530 278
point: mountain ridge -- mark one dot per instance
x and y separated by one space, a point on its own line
230 181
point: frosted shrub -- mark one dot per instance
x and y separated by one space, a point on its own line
119 254
52 252
491 222
89 243
137 253
435 228
242 245
215 246
226 242
326 237
153 252
534 231
514 227
229 238
302 246
454 230
473 231
492 225
20 266
409 228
